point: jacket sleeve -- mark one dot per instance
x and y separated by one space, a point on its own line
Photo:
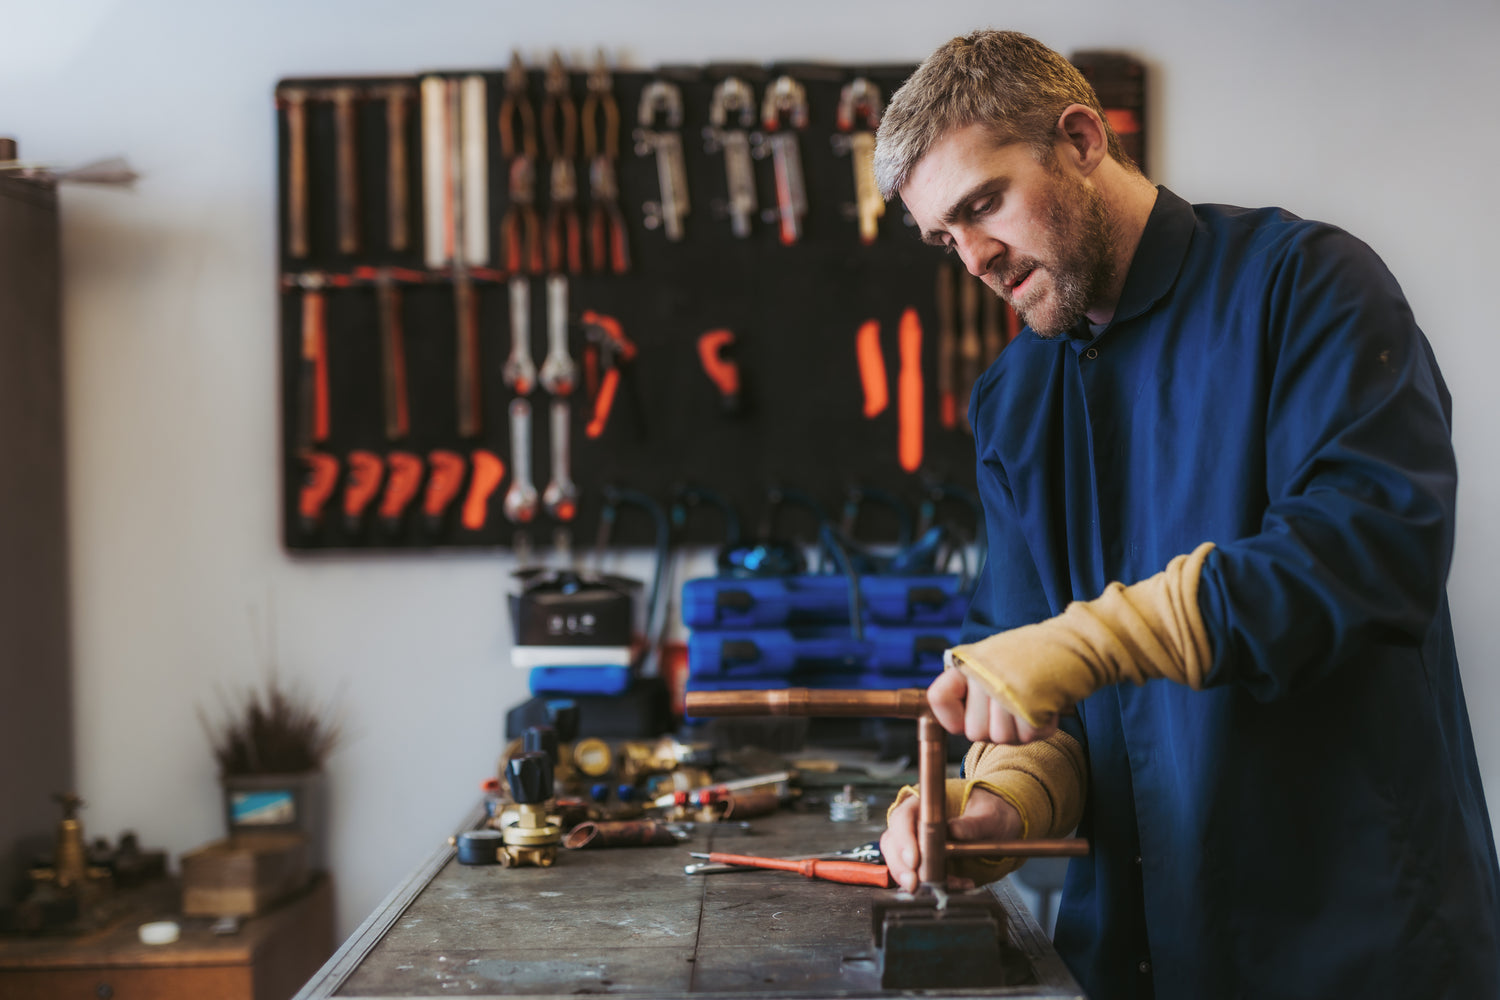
1354 547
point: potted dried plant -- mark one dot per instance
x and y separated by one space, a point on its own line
271 744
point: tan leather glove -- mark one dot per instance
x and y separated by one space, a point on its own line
1149 629
1044 781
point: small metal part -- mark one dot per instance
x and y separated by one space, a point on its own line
847 807
661 98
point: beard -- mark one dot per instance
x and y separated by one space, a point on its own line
1075 265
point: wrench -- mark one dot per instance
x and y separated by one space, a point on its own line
786 96
558 371
671 173
520 500
519 371
734 94
560 498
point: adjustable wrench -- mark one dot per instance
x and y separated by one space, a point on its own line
785 96
559 373
671 173
860 101
560 498
521 499
734 94
520 371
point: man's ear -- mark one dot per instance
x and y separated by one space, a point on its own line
1081 139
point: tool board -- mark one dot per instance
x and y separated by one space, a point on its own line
814 323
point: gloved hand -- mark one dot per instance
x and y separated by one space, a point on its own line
1147 630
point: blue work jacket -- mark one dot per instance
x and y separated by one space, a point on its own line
1311 824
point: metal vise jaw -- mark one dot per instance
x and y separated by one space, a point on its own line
939 940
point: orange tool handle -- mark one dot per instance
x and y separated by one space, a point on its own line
909 392
315 354
724 374
365 471
322 476
489 469
401 484
848 872
603 403
872 376
443 485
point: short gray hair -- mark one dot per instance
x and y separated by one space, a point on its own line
1010 83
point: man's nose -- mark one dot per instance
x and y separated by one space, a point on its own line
978 251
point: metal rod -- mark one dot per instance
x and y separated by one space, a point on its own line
907 703
1072 847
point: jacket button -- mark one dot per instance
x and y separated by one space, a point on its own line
1091 353
1145 967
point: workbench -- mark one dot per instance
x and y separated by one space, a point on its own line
629 921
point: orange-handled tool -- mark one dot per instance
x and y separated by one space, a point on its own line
849 872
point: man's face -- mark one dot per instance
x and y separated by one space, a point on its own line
1037 233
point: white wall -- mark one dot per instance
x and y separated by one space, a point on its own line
1373 115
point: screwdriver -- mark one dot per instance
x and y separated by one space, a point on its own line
849 872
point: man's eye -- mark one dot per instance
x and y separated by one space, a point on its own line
983 206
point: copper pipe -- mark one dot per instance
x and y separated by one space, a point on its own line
620 833
1069 847
908 703
932 824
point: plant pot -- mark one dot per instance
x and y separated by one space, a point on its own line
278 803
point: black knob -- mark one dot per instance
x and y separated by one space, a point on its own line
541 739
530 777
564 717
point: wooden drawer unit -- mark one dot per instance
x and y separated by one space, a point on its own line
268 959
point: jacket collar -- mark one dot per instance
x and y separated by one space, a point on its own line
1154 267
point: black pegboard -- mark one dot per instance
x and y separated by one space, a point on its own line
794 310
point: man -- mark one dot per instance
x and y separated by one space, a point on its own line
1216 465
